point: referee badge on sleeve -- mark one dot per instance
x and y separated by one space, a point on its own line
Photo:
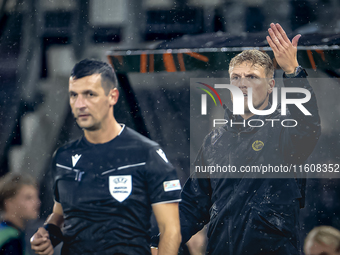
171 185
120 186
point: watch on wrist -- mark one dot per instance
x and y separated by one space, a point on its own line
297 70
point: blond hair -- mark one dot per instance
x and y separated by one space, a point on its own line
326 235
254 57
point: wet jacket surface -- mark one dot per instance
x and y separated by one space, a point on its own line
251 214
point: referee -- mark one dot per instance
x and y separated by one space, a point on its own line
107 181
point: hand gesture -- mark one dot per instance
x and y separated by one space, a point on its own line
41 243
285 51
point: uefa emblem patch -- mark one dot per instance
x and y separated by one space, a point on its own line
257 145
120 186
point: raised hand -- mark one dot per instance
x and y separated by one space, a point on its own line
285 51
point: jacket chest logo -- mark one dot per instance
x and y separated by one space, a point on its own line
120 187
75 159
257 145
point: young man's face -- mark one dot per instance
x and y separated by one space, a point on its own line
246 75
26 203
90 106
315 248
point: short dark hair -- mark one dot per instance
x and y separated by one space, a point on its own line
88 67
11 183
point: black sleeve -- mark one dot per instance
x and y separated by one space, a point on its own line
163 183
12 247
297 143
195 204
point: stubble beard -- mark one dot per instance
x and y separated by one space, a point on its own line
93 127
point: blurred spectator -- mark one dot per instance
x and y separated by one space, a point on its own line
323 240
19 202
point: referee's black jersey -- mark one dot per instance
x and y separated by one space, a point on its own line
106 191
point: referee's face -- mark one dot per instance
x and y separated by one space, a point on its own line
90 105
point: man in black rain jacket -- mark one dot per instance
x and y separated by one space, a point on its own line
252 214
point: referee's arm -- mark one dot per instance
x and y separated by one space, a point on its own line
46 238
167 216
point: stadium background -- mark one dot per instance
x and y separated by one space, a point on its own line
156 46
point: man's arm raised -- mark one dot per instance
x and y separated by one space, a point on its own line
47 237
285 51
298 142
167 216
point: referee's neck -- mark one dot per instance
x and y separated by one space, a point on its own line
104 134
